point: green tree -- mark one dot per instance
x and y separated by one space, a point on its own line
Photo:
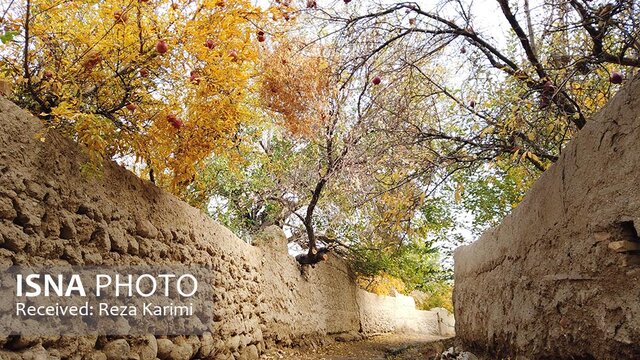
333 172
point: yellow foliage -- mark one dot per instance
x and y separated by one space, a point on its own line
394 214
383 284
165 82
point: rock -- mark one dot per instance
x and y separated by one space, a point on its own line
75 345
207 345
194 342
624 246
118 239
52 199
122 324
257 335
134 247
165 346
95 355
36 353
249 353
34 189
51 224
146 247
10 355
348 336
73 256
181 352
101 240
5 259
146 347
67 228
29 213
146 229
6 209
244 340
233 343
90 211
91 258
51 248
117 350
223 357
14 238
457 354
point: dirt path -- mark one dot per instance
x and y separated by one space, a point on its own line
396 346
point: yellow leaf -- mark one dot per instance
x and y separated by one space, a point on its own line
533 156
487 130
515 154
63 110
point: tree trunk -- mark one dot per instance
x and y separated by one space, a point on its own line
312 259
308 219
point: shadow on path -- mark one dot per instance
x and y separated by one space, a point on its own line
390 346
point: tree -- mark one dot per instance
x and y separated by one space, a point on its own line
192 93
343 160
160 83
332 173
524 101
485 116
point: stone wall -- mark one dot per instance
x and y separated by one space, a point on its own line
53 213
560 277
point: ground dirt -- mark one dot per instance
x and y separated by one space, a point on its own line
392 346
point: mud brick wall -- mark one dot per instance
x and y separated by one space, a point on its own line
560 277
53 213
384 314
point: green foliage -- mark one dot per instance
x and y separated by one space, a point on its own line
415 261
8 36
436 294
491 192
240 194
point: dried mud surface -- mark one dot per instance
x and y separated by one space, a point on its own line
391 346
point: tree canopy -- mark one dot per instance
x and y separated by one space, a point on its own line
375 130
166 83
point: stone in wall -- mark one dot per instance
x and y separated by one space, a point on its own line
560 277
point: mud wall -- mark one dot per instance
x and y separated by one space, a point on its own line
384 314
54 213
559 278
